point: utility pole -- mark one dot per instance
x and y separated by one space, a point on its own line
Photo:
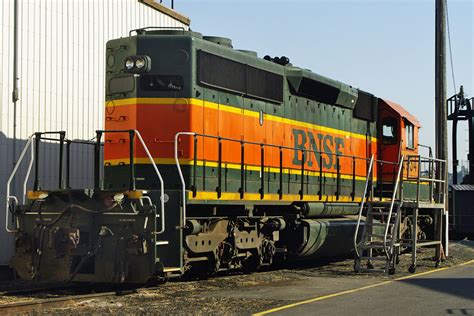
441 116
441 121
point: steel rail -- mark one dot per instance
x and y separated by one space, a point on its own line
43 304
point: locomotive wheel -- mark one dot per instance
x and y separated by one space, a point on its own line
252 264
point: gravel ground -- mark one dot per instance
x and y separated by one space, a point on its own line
204 297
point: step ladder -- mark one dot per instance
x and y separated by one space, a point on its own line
380 237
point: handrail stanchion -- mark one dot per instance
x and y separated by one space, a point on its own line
37 145
380 182
262 171
68 164
320 176
338 177
132 160
62 136
353 178
195 156
219 168
303 160
280 190
97 160
242 169
418 180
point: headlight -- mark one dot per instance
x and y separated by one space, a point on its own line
140 63
129 63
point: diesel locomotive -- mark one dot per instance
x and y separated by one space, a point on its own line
212 159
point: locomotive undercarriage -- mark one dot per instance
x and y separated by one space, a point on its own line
84 236
217 244
114 237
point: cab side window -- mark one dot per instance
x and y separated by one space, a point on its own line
389 131
410 135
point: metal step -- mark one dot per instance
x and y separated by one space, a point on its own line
384 213
389 236
372 246
381 243
379 224
380 258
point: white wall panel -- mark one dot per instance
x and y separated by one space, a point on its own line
61 71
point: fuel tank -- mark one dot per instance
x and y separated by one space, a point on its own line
309 239
312 210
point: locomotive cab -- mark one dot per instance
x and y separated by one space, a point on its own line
398 135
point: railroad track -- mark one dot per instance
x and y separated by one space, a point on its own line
56 302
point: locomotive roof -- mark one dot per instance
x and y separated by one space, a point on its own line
297 77
403 113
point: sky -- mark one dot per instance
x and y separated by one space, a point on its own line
385 47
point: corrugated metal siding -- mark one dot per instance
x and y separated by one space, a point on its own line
61 71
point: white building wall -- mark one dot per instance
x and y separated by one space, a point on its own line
62 73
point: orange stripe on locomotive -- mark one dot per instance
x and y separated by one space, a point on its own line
158 122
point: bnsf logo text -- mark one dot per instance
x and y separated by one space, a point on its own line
317 143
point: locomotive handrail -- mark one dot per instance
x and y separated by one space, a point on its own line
181 177
364 197
132 168
12 175
262 146
34 153
392 203
274 146
430 176
38 138
144 29
162 184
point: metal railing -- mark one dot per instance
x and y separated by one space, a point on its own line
304 152
427 170
37 137
362 203
34 142
131 133
396 190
